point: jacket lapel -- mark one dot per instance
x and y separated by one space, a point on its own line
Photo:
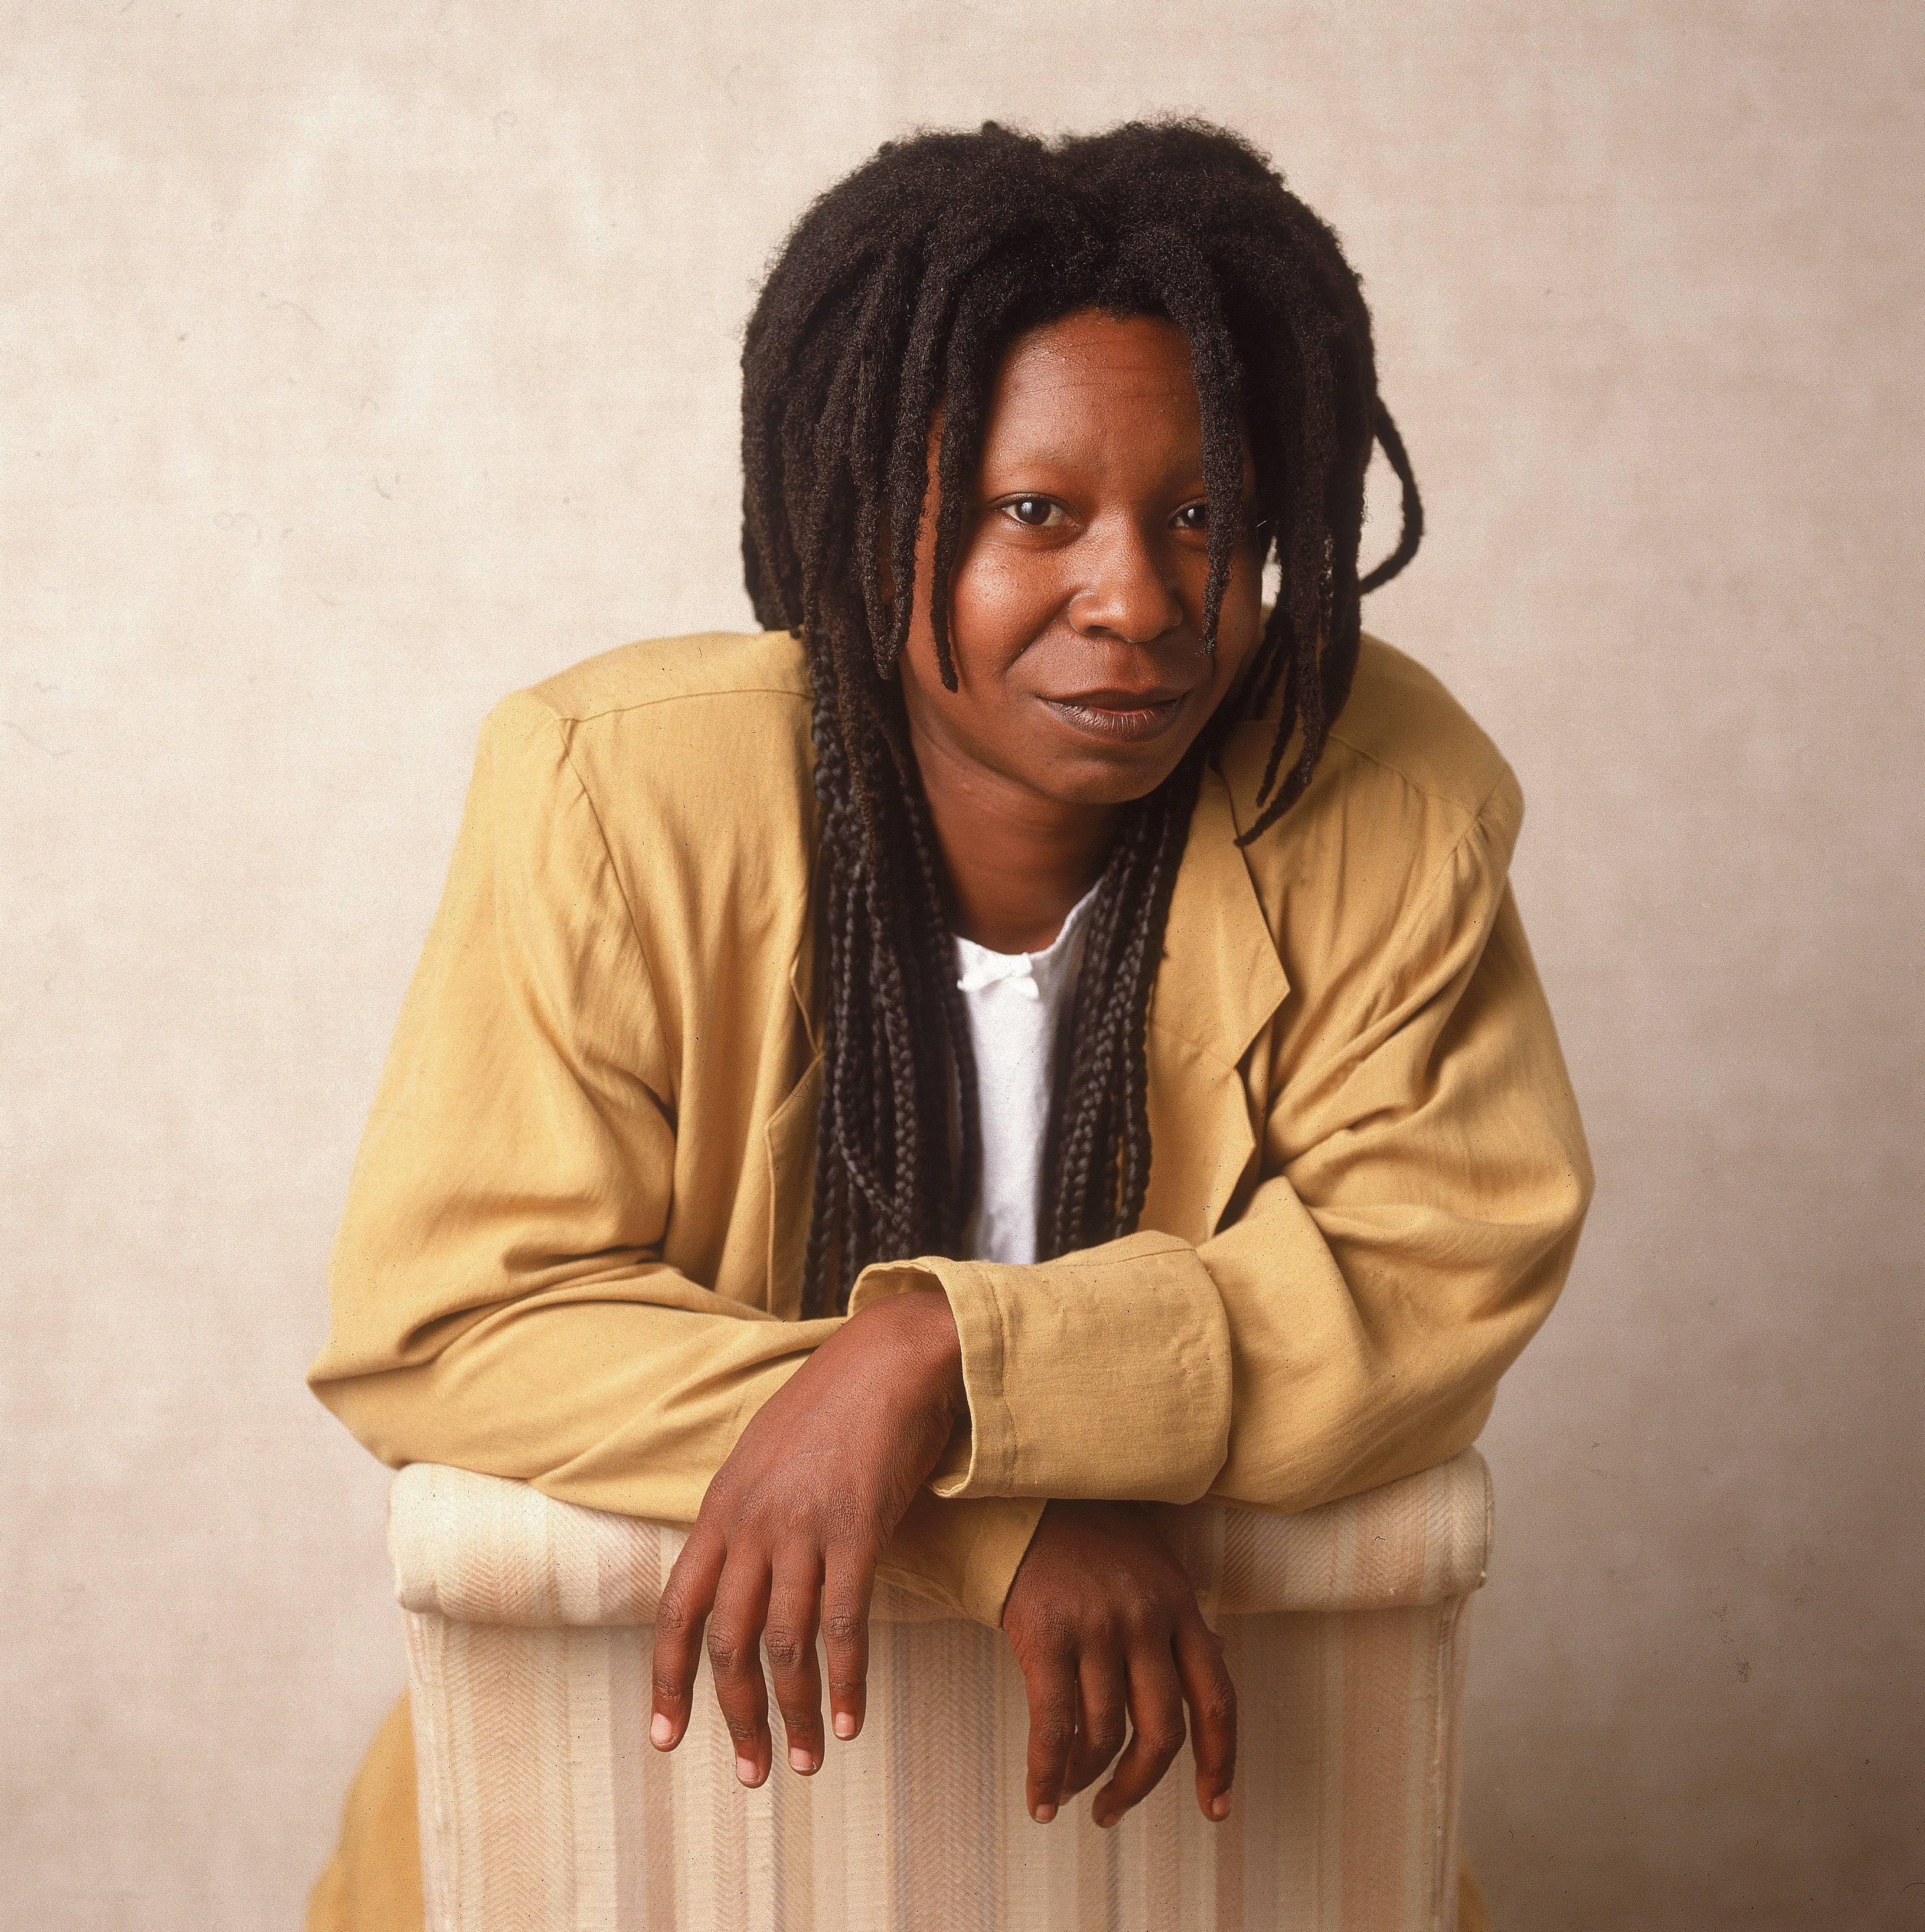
1219 984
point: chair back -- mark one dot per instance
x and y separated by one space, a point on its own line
544 1809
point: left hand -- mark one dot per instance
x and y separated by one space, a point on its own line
790 1528
1105 1626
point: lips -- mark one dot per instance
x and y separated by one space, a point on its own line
1128 717
1114 698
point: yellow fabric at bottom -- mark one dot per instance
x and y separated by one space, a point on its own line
1471 1916
372 1883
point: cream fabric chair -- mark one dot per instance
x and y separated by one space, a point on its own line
544 1808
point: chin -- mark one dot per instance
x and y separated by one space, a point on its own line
1109 781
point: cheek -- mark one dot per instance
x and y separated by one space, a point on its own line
999 602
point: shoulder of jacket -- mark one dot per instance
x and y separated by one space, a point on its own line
1401 719
663 716
707 665
1407 778
712 728
1401 733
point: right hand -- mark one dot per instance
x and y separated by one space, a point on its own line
1104 1622
788 1532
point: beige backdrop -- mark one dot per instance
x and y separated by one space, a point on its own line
364 361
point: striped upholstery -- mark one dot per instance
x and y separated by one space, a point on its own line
544 1808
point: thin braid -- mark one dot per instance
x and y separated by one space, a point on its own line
1140 975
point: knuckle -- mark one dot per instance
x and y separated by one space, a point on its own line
727 1653
671 1617
1049 1636
1053 1735
1218 1707
839 1522
784 1647
845 1626
1142 1614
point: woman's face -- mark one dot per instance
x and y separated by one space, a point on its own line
1076 606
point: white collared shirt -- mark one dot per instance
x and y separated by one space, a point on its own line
1015 1003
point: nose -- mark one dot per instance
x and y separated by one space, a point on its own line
1129 591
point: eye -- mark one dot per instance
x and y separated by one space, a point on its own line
1034 513
1193 520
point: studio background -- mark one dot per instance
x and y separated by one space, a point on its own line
363 363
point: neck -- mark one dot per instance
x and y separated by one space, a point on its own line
1017 862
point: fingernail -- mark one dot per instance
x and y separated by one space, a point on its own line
801 1760
845 1724
748 1771
661 1732
1043 1813
1220 1807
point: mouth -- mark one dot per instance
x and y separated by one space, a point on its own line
1126 717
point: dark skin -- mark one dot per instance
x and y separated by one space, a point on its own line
1076 625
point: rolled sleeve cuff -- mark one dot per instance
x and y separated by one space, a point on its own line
1105 1374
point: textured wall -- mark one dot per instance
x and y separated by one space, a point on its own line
362 362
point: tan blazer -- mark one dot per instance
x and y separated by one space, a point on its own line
573 1243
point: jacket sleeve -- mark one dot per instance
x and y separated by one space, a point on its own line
1423 1179
500 1300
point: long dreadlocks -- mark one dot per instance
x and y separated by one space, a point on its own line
893 300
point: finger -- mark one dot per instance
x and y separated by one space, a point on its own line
1049 1677
795 1601
1156 1733
679 1616
1102 1717
735 1655
1211 1697
847 1589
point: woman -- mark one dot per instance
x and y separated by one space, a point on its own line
1030 1035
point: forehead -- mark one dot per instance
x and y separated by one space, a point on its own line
1090 377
